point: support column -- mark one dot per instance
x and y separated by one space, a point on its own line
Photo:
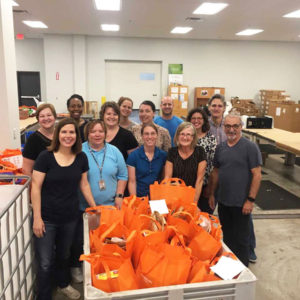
9 112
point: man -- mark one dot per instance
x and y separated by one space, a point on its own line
216 107
167 120
237 173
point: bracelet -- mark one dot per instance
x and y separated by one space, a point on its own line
251 199
119 196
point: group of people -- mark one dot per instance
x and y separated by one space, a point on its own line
75 164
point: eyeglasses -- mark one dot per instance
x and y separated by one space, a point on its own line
187 135
234 126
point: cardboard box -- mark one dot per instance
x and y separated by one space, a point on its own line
286 116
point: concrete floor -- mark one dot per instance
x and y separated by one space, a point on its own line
278 240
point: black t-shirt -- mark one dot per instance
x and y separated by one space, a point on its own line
124 141
81 130
186 169
35 144
59 195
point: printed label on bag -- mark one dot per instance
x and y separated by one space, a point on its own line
103 276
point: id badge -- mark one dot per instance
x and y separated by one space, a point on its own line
102 185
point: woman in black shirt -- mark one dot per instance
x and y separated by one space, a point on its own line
40 139
187 161
57 173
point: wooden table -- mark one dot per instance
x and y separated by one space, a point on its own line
282 139
26 123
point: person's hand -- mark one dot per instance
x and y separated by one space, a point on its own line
118 202
38 227
212 202
247 207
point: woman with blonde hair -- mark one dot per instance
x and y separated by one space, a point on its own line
40 139
186 160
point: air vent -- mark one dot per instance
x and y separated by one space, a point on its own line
194 19
20 11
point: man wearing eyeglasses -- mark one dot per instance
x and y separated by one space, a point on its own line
237 174
167 119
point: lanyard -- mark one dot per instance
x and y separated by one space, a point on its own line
100 168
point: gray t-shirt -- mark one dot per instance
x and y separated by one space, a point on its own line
234 165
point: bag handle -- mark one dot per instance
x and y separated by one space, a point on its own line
173 181
152 219
108 231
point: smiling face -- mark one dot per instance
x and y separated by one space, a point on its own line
167 106
216 108
46 118
67 136
96 136
185 137
149 136
126 108
233 128
197 120
146 114
75 108
110 117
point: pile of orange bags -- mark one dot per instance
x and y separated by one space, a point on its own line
133 248
10 164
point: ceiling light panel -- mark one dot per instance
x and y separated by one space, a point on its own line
13 3
110 27
181 30
35 24
113 5
293 14
249 32
208 8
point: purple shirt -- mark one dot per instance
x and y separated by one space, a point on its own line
217 131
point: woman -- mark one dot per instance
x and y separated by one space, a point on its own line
75 106
41 139
199 119
122 138
187 161
126 105
57 173
145 164
146 115
107 174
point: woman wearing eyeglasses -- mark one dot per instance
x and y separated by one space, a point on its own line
199 119
146 163
186 160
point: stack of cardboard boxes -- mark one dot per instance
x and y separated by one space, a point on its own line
245 107
180 97
91 108
285 113
269 97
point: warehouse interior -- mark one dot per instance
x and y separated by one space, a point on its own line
73 55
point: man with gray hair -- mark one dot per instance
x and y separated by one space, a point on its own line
167 119
237 174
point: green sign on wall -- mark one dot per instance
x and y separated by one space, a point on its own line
175 68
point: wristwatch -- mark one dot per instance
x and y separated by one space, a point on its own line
119 196
251 199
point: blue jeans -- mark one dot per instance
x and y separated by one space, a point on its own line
53 250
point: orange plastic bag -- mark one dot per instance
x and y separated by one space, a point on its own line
111 273
134 206
172 189
202 244
163 265
109 214
98 237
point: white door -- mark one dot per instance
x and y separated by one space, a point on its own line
138 80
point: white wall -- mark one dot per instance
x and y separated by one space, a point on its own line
243 68
30 58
